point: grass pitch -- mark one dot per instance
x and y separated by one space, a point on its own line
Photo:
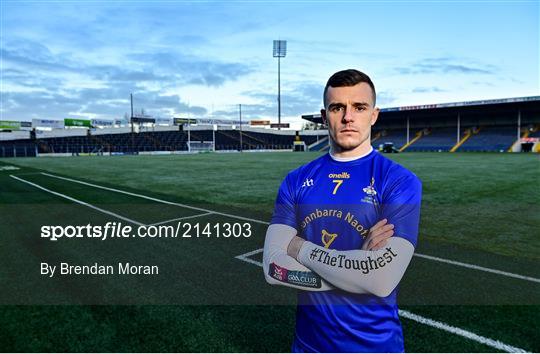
478 209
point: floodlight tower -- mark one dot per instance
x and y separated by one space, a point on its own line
280 50
240 114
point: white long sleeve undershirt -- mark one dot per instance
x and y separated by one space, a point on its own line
356 271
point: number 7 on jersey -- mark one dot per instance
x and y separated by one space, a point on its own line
338 183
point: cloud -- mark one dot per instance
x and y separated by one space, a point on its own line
42 105
189 69
427 89
56 84
385 98
163 67
446 66
27 80
102 103
165 105
32 55
298 99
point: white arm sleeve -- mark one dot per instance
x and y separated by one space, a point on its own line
357 271
281 269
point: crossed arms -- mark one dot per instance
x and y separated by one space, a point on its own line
376 269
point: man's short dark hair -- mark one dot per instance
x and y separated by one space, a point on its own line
349 77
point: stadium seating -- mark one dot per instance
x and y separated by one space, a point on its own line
494 138
535 134
396 136
491 139
437 139
18 148
273 141
165 141
320 145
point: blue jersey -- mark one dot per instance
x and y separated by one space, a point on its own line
334 204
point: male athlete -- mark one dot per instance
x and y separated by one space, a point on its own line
344 230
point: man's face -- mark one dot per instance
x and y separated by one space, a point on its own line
350 114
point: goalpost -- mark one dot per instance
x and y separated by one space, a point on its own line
200 146
299 146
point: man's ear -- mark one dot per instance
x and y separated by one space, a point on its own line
375 115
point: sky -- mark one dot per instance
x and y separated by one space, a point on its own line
82 59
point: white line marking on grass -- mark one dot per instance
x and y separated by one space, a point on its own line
448 261
244 257
484 269
178 219
426 321
78 201
461 332
157 200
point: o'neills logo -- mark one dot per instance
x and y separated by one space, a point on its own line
342 175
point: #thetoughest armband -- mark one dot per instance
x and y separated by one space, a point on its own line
375 272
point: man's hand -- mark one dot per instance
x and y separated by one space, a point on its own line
378 236
294 246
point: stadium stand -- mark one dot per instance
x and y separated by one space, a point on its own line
489 125
490 139
172 140
396 136
319 145
274 141
18 148
499 119
535 133
436 139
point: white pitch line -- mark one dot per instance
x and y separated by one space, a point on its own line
78 201
156 199
244 257
461 332
178 219
248 260
448 261
484 269
427 321
250 253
